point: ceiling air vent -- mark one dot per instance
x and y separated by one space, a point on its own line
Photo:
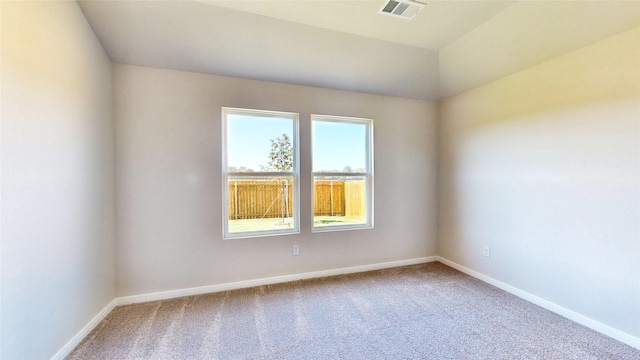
405 9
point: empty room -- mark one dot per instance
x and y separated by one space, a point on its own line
301 179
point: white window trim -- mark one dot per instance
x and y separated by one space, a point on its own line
369 175
295 174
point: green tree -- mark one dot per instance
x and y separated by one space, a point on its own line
240 169
281 160
280 155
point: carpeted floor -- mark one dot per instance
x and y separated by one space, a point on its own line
427 311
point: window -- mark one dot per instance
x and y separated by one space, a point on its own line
342 163
260 173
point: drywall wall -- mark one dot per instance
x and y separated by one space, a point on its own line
169 200
58 246
543 166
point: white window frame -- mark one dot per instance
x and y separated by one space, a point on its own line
295 174
368 174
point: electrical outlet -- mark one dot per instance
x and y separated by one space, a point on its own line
296 250
486 251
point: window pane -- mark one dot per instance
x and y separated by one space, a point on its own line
259 143
260 203
339 147
342 155
260 170
339 200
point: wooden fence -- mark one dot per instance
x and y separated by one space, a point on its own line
355 198
258 199
328 198
255 199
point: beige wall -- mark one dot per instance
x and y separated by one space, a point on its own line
544 167
169 201
58 255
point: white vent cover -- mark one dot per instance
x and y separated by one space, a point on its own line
405 9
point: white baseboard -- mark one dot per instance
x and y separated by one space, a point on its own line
71 344
569 314
267 281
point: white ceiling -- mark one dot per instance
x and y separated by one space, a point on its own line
439 24
450 47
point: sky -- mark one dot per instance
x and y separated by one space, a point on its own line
335 145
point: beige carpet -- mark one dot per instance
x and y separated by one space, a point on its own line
427 311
